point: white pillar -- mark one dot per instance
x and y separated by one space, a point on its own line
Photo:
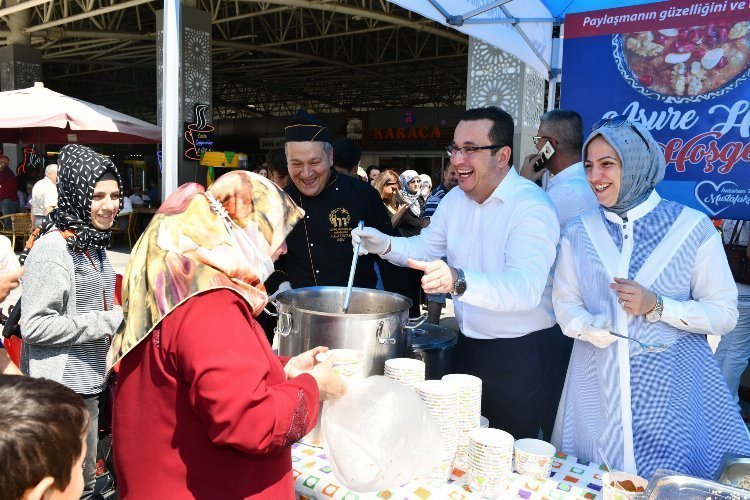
183 80
496 78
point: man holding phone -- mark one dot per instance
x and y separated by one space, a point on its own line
559 142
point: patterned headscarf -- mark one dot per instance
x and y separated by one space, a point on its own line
79 169
426 186
412 199
203 240
643 164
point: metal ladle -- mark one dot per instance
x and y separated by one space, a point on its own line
646 347
350 283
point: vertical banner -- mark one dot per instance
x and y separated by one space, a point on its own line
680 68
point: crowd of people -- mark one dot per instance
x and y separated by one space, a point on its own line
543 282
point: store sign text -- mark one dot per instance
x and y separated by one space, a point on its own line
407 133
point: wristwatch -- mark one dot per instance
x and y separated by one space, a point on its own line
654 314
459 287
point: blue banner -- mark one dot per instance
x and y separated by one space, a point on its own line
683 70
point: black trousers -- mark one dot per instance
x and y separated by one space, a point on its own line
95 404
521 385
558 348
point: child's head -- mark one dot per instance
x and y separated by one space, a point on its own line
43 428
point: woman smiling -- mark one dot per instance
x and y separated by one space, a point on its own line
655 271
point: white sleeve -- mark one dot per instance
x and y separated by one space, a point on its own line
429 244
570 311
567 202
529 255
713 305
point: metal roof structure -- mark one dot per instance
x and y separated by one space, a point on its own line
268 57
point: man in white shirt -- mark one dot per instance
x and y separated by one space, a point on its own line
44 195
566 182
571 194
499 232
138 198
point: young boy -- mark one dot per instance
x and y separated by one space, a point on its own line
43 427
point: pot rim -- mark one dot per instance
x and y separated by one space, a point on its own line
407 302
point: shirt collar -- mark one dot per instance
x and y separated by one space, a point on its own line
572 171
507 186
637 212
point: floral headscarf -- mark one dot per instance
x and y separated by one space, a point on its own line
203 240
643 164
412 199
79 169
426 186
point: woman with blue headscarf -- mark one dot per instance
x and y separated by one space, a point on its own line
655 271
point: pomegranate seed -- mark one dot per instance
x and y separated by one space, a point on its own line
646 80
699 52
722 62
684 48
723 35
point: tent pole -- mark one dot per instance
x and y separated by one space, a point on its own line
170 132
555 60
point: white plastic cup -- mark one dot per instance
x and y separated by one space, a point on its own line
533 457
613 491
348 363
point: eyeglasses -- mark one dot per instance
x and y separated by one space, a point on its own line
537 138
619 121
468 151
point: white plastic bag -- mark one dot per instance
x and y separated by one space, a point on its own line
380 435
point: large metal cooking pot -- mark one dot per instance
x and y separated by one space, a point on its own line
434 345
376 323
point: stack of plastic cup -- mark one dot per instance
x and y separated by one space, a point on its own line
469 411
406 371
490 460
442 399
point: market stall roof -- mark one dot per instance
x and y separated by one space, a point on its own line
521 27
38 114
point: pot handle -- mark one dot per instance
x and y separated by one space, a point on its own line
284 325
275 305
415 322
379 334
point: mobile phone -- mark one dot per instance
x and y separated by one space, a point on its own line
545 154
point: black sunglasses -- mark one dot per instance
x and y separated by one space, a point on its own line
618 121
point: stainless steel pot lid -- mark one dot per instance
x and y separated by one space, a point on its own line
427 336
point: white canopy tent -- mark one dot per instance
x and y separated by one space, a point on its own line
523 28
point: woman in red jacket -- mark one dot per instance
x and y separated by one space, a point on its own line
203 408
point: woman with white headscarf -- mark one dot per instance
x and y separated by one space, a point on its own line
410 195
425 188
655 271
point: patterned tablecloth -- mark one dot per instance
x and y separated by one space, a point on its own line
570 478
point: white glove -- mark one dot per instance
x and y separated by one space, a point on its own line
373 241
283 287
597 332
